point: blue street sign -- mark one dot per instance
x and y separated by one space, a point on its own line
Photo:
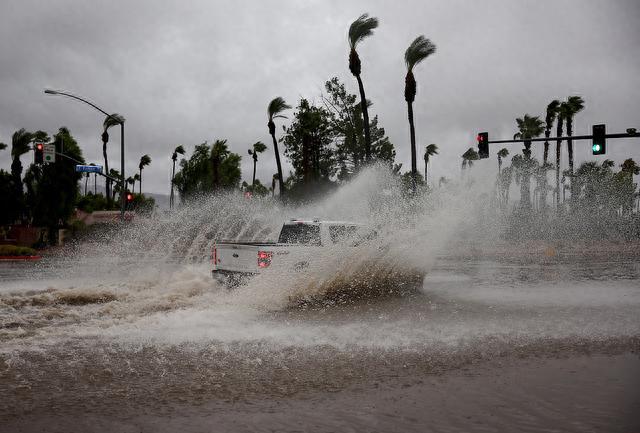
89 168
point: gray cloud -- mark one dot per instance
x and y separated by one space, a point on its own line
185 72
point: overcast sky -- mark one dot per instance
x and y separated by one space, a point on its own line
182 72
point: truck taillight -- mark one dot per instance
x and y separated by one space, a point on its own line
264 259
214 255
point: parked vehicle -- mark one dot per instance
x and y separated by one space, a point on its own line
298 243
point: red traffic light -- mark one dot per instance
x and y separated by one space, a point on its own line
39 146
480 138
129 196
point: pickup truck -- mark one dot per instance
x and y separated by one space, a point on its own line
298 242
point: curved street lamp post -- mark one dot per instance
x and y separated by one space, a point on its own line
119 120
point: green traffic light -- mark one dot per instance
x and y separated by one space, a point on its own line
596 148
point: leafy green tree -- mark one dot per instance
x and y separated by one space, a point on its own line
429 151
256 188
359 30
145 160
420 49
277 106
308 143
258 147
196 173
53 188
348 129
179 150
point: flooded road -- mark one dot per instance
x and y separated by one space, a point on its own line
481 346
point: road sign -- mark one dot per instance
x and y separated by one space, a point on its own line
49 153
89 168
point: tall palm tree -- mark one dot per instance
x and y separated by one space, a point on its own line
277 106
429 151
552 113
179 150
502 153
20 144
145 160
528 127
258 147
560 116
219 151
420 49
113 120
359 30
573 106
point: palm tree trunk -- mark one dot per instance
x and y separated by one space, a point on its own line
255 161
173 175
365 119
275 148
426 163
570 152
86 181
140 182
95 184
414 159
499 165
558 143
107 183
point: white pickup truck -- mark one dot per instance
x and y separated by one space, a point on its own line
299 240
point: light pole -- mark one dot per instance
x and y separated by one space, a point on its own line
119 120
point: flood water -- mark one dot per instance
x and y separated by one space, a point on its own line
483 345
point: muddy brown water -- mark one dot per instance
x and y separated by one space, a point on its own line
483 346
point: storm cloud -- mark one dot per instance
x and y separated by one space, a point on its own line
185 72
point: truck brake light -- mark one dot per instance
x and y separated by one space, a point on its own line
264 259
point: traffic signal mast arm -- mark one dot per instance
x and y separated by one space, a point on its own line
573 137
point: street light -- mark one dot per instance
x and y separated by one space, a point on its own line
118 119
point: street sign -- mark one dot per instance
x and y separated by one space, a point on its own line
49 153
89 168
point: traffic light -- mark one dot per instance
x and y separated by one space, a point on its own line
129 197
483 145
38 155
599 146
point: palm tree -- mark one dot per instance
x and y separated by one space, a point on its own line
502 153
420 49
628 169
258 147
277 106
573 106
177 151
145 160
468 157
429 151
528 127
20 144
115 174
552 113
358 31
219 151
3 146
113 120
560 119
131 181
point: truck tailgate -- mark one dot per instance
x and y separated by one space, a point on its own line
236 258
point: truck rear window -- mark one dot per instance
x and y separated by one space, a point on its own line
305 234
